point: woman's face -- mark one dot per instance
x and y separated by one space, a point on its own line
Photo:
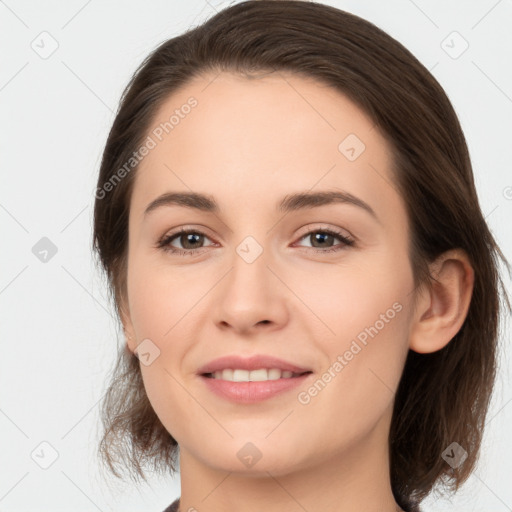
260 279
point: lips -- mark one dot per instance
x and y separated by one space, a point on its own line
251 393
254 362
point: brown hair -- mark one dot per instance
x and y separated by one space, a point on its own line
442 396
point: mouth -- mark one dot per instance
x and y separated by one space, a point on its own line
252 387
258 375
245 380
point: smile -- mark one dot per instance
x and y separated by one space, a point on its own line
259 375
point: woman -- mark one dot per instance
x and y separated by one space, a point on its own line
280 374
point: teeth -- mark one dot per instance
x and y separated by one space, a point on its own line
254 375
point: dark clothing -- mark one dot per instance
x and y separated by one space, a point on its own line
173 507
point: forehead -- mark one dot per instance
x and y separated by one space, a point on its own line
243 140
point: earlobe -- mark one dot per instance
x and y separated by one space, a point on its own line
130 342
442 308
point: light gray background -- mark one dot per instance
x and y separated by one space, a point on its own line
58 332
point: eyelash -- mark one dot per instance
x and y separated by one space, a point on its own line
164 243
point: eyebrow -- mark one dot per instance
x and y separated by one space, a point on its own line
291 202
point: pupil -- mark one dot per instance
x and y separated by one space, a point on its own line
321 237
190 238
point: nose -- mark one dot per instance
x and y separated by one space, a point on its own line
251 297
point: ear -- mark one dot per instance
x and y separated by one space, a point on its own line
129 331
441 310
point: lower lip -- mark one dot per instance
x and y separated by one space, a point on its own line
250 392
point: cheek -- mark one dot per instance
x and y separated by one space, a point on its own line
158 298
353 295
162 310
371 335
362 368
367 311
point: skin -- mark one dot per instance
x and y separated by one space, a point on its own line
248 143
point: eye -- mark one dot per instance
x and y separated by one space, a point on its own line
191 240
324 236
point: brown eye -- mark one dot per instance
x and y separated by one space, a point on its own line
190 241
322 240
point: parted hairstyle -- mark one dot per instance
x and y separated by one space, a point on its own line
442 397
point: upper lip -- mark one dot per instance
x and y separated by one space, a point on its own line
253 362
